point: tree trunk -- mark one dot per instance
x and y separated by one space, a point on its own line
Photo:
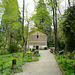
55 24
23 30
65 46
27 33
7 31
11 36
59 14
56 40
69 3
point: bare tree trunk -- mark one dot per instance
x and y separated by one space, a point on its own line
54 8
11 36
7 30
56 40
69 3
65 46
23 30
27 33
65 37
59 14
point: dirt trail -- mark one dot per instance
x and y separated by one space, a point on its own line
46 65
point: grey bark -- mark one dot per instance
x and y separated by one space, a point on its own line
23 29
69 3
56 40
54 8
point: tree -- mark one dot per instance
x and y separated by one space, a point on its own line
41 18
69 3
23 29
69 28
53 3
11 18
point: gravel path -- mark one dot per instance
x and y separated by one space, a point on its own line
46 65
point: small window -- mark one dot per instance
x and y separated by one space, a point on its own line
37 36
34 46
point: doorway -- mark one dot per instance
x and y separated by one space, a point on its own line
37 47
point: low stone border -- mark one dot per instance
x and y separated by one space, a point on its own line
59 65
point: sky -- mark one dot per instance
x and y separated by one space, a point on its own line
31 5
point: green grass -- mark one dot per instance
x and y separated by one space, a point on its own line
66 64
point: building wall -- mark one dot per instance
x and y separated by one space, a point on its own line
37 39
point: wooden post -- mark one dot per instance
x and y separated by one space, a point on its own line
14 64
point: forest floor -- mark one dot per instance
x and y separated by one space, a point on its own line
46 65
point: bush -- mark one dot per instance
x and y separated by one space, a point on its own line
33 49
13 48
3 52
19 69
37 52
45 48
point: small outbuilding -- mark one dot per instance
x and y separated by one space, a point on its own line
37 40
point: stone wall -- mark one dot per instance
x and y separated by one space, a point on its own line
40 41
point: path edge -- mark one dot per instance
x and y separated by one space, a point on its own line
59 65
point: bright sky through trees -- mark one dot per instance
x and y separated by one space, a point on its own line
31 5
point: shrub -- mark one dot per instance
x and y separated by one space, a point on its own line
37 52
45 48
13 48
28 52
33 49
38 55
3 52
36 59
27 49
19 69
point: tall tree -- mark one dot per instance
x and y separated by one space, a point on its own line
69 28
11 18
69 3
55 29
23 29
53 3
41 18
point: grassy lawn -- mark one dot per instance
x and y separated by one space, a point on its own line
6 62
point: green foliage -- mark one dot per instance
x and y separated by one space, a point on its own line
36 59
45 48
19 69
38 55
69 28
33 49
13 48
3 52
66 63
37 51
11 20
41 18
6 62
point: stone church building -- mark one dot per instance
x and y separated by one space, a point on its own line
37 40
